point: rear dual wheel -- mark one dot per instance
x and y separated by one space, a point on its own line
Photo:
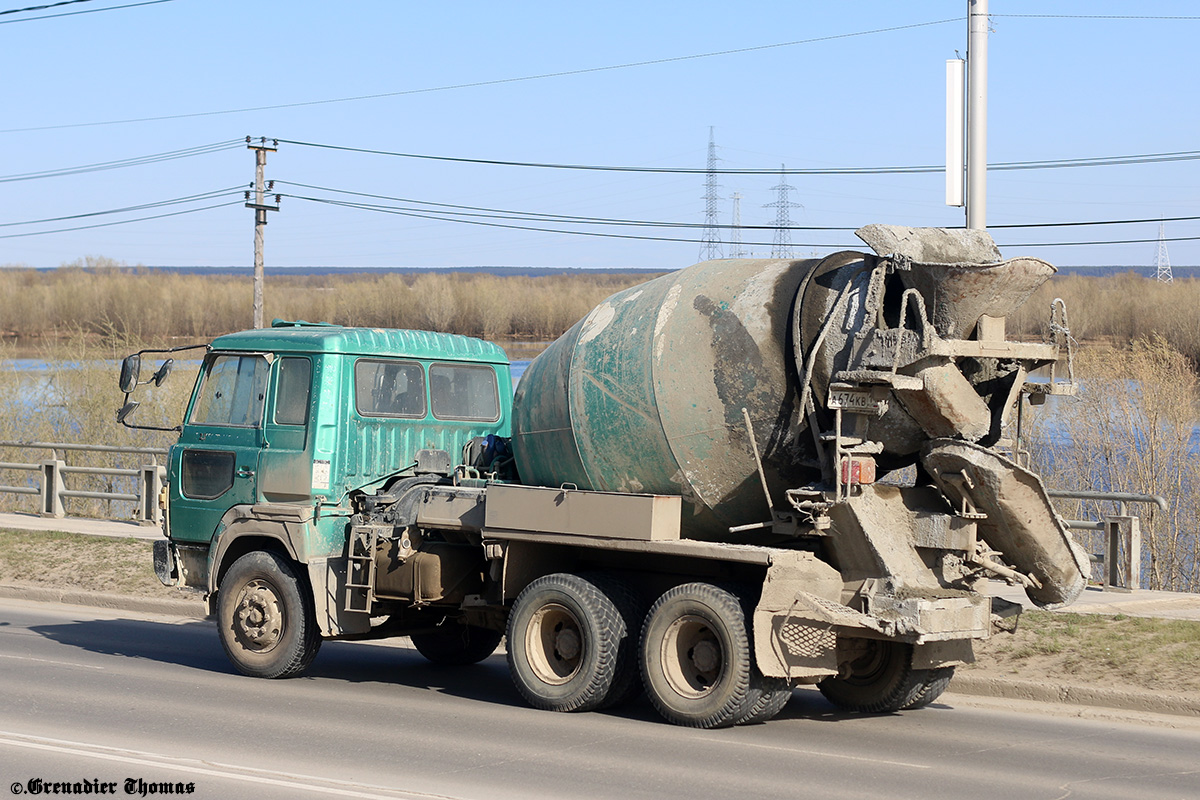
696 661
572 642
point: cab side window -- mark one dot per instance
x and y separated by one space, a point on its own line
292 391
464 392
232 393
389 388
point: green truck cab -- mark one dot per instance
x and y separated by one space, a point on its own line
285 427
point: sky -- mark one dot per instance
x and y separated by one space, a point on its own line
809 85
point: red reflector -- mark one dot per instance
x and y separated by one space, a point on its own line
857 470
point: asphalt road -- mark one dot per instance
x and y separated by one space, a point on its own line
90 695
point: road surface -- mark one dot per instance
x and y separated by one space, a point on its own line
88 695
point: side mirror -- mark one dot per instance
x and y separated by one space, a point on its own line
163 372
131 369
126 410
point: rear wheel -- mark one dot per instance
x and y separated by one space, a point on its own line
938 681
697 665
877 679
454 645
565 637
265 617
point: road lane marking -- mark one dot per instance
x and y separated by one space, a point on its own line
48 661
213 769
822 754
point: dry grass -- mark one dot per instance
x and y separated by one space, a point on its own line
83 563
1119 310
139 305
74 399
1133 429
1136 652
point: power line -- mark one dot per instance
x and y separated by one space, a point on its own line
121 222
1088 16
444 217
477 84
73 13
144 206
135 161
43 7
549 217
500 213
1097 161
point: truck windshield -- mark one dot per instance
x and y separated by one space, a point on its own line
232 392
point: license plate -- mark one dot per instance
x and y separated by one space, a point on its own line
858 401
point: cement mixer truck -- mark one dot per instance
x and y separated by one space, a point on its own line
721 484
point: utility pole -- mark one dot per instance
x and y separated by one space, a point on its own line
260 216
977 42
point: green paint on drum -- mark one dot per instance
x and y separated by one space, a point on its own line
645 394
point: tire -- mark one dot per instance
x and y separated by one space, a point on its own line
455 645
631 608
565 640
776 694
696 661
937 682
265 617
880 679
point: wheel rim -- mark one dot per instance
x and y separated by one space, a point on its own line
258 616
871 665
693 657
554 644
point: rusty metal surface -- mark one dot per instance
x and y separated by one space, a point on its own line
1020 521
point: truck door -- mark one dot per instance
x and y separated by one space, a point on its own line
215 464
286 465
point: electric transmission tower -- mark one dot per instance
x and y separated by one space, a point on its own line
710 243
1163 262
735 232
781 245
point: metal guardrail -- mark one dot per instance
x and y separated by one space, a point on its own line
52 490
1115 527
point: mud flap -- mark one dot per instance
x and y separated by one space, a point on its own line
794 634
1020 521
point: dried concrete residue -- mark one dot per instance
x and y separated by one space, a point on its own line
597 321
664 315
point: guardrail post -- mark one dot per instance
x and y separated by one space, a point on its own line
148 488
52 489
1115 559
1133 553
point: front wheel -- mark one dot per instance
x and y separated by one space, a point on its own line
265 617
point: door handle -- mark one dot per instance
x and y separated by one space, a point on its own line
245 472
